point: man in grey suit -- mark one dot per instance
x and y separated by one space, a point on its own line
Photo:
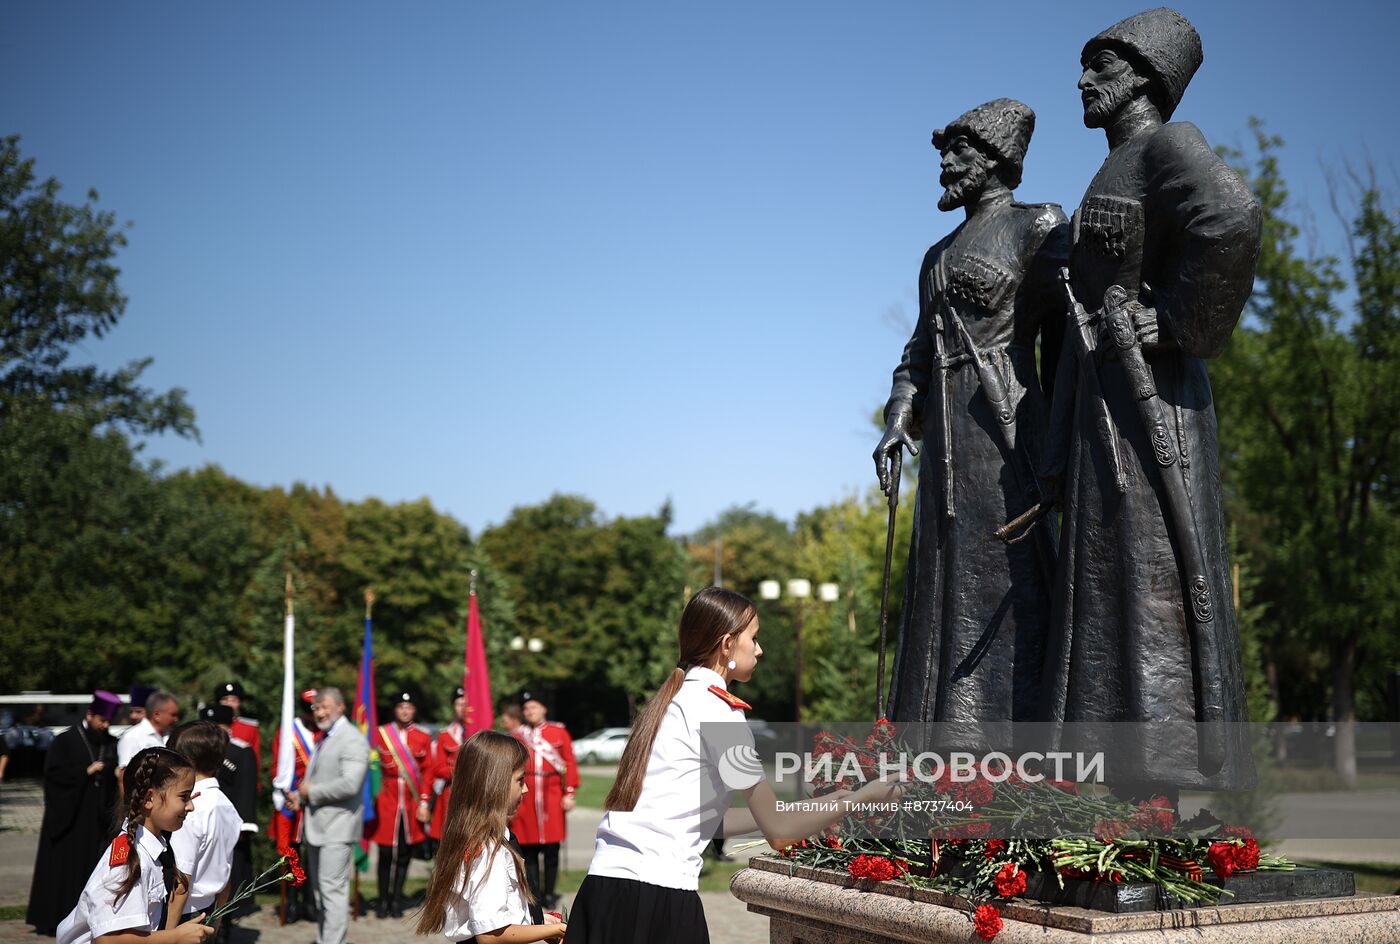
331 795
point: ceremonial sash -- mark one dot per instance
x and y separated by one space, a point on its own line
546 750
303 744
394 742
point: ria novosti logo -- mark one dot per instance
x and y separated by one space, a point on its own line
739 766
741 763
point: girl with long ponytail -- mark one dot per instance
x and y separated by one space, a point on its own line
687 752
135 894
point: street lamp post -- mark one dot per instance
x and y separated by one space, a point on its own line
801 591
519 644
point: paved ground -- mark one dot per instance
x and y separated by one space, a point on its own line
21 811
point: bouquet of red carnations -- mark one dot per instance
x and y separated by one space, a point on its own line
287 868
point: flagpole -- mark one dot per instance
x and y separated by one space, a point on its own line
369 616
289 627
467 639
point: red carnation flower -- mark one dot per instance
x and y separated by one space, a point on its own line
1154 816
1238 832
986 921
995 847
979 792
1107 830
1010 881
1247 856
876 868
1222 858
1066 786
298 876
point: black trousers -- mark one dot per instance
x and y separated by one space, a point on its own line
394 859
532 854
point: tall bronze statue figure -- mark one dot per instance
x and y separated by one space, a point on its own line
976 612
1165 244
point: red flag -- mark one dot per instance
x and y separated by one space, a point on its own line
476 680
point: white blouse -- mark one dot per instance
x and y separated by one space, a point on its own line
204 844
703 751
488 896
97 913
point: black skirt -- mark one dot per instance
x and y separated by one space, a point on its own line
625 911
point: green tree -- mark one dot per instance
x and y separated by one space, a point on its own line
755 546
1309 406
58 285
82 571
845 543
602 596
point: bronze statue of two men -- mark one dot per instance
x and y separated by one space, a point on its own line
1123 611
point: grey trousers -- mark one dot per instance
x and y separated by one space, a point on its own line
331 865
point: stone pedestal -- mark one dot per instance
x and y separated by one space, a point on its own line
817 906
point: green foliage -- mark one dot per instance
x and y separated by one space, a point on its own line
602 596
755 546
1309 407
58 284
83 571
845 544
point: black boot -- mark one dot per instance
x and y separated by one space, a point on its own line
385 867
400 877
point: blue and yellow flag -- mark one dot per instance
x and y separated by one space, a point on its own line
367 721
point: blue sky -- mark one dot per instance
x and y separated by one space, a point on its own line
482 252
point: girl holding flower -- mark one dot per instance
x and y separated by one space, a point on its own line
135 894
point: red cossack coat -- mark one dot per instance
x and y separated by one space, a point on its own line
449 742
540 819
246 730
398 795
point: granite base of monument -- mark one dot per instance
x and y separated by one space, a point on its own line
1128 897
819 906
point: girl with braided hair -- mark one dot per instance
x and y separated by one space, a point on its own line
135 894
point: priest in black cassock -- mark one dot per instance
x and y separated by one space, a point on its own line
80 788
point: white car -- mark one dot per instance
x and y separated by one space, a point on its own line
602 747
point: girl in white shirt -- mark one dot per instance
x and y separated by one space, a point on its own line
478 891
127 892
689 749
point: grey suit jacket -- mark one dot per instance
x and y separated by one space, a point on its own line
335 783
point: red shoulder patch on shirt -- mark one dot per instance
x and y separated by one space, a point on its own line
730 699
121 851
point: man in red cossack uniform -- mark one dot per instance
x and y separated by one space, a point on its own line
244 729
551 774
449 742
285 828
403 804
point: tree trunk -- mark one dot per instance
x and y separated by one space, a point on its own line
1271 676
1344 707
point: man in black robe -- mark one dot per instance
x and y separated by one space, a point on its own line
80 789
1165 244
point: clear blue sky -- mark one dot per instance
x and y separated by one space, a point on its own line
485 251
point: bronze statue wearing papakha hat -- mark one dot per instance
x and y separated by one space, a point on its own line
1004 126
1167 46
